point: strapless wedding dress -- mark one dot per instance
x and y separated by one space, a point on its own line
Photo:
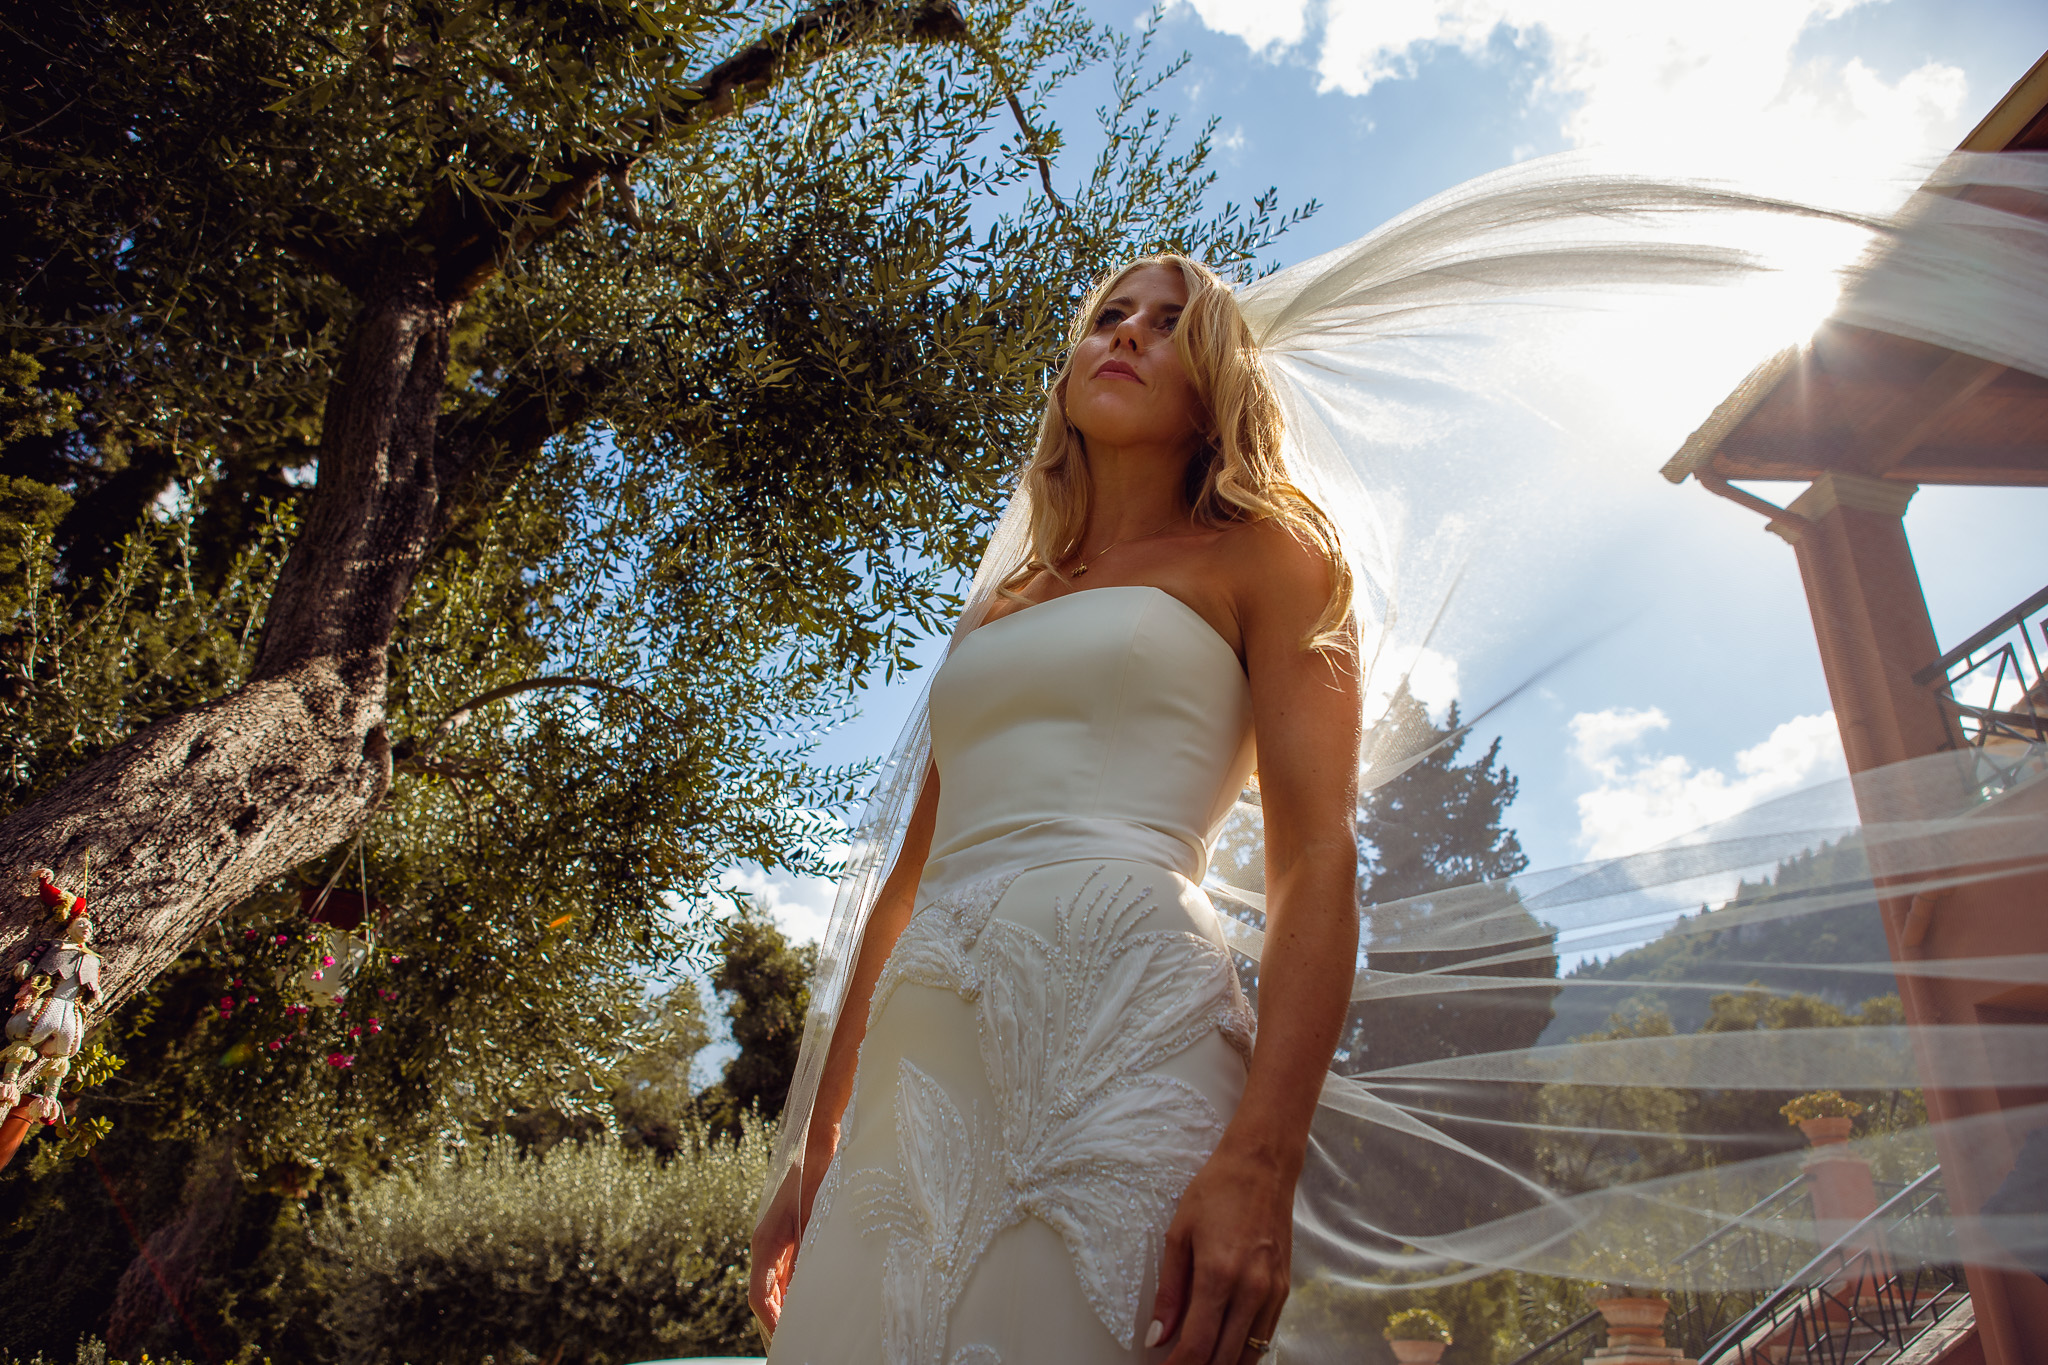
1058 1038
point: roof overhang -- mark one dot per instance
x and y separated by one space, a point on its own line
1868 403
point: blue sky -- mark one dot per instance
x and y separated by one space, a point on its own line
1699 688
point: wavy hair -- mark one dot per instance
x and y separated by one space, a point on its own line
1237 474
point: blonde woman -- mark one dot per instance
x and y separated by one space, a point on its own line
1043 1130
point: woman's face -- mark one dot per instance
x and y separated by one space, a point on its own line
1127 386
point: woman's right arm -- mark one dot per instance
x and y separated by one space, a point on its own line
775 1239
885 925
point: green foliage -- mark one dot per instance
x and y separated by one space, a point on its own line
591 1253
91 1351
1439 824
1626 1126
28 409
769 985
155 635
1435 826
1819 1104
1767 932
652 1097
1485 1316
740 414
753 401
1705 1128
1418 1324
65 1242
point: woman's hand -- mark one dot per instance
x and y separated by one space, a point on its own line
774 1252
1229 1251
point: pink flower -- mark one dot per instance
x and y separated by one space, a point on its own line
276 1043
327 961
397 958
227 1007
374 1025
250 1001
284 938
386 993
249 933
340 1059
318 975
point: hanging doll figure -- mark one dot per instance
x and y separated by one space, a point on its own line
48 1024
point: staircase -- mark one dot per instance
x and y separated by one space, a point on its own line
1845 1306
1848 1306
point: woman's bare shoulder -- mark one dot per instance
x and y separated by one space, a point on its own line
1027 594
1271 564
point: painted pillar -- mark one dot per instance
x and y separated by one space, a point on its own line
1870 619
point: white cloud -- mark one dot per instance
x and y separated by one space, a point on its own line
1263 24
800 906
1644 799
1687 88
1432 678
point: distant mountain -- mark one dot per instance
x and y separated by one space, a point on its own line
1695 951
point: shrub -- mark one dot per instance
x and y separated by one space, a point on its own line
91 1351
592 1254
1418 1324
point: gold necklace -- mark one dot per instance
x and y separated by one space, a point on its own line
1082 568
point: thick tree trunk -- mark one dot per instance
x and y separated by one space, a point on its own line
201 809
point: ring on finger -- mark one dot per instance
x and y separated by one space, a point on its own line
1258 1346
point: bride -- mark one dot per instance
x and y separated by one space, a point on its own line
1045 1128
1030 1121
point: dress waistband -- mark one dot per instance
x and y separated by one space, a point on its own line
1061 841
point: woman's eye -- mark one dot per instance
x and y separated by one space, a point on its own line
1108 317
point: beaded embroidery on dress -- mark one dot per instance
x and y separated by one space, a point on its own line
1058 1036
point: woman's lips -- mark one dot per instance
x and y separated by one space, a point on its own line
1116 369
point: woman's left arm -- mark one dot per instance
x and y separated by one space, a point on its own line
1225 1272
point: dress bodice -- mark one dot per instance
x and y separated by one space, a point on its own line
1116 709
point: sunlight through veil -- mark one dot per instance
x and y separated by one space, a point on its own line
1454 386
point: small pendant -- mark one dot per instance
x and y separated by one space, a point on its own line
1080 571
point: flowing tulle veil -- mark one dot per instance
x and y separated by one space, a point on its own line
1366 345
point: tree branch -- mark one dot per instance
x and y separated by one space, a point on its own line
468 264
478 457
416 755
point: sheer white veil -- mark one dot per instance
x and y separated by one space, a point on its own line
1462 298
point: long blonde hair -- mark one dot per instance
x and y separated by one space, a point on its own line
1238 475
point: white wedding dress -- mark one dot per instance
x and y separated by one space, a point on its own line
1058 1038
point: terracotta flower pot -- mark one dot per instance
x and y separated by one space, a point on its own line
1826 1132
1417 1352
1634 1321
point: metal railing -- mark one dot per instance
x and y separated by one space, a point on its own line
2001 665
1848 1306
1743 1251
1574 1343
1844 1306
